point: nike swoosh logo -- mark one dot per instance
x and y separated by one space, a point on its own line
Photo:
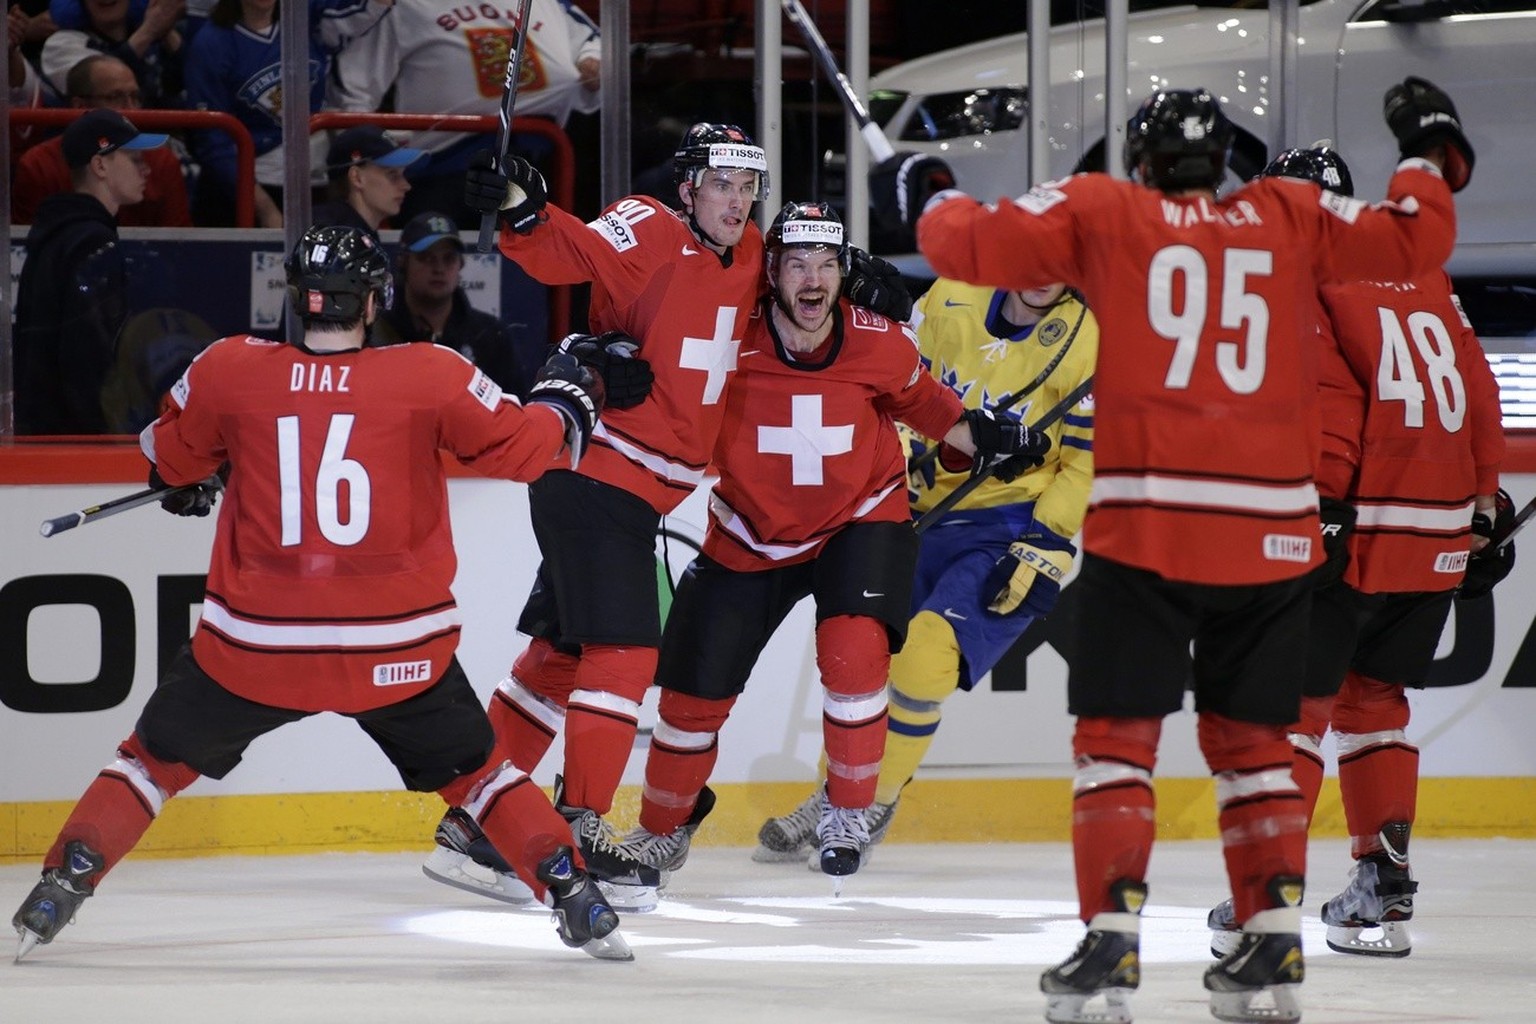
950 613
689 250
952 302
875 593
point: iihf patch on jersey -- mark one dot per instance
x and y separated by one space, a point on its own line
867 320
1040 198
616 231
1451 561
1281 547
486 391
400 673
1345 208
1052 331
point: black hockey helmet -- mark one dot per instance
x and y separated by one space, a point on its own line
722 146
1319 165
1182 136
809 226
332 271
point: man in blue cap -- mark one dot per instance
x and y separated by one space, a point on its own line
64 346
366 169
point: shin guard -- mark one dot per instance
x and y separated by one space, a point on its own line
1262 818
601 720
1307 750
528 708
1378 767
853 655
680 759
1113 808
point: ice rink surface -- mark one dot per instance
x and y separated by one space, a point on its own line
923 933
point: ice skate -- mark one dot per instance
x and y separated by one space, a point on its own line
668 853
1258 981
843 836
1371 916
1107 962
789 838
1226 933
877 818
626 883
581 914
465 859
56 897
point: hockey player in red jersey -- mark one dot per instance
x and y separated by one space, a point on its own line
811 501
1203 517
328 590
1412 442
671 294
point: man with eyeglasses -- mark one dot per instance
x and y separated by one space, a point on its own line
42 171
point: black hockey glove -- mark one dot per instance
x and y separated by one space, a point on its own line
627 378
1338 521
575 391
1423 117
876 284
1488 567
899 188
516 192
1000 440
197 500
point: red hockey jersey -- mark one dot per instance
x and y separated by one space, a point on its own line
1206 431
687 308
328 587
810 444
1428 431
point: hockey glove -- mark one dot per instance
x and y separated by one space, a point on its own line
1338 521
1423 117
920 470
196 500
516 192
575 392
899 187
627 378
1029 576
876 284
1486 568
996 440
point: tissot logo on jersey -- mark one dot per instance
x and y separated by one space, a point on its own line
401 672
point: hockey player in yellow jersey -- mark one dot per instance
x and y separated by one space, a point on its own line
994 562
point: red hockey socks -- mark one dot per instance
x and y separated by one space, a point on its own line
516 817
601 720
1378 767
680 759
1307 749
118 807
1262 818
853 654
528 708
1113 807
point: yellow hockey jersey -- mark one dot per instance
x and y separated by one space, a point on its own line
952 322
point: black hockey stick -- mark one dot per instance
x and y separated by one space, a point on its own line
879 146
1507 535
1010 400
960 493
508 100
107 509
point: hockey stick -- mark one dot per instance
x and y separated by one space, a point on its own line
879 146
107 509
960 493
1506 536
508 99
1010 400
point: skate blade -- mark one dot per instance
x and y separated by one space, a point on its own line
29 940
1071 1008
1243 1007
610 947
837 886
506 889
1389 938
637 899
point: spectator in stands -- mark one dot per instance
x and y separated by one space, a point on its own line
431 305
366 169
147 41
72 299
30 26
21 77
102 81
440 56
234 65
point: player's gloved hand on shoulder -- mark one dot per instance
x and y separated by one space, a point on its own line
1488 567
515 192
900 186
197 500
876 284
998 440
575 391
1422 117
627 378
1338 521
1029 576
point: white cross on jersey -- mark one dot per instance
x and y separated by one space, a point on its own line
715 356
806 440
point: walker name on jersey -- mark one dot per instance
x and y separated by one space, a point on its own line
1186 214
1451 561
399 673
1281 547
